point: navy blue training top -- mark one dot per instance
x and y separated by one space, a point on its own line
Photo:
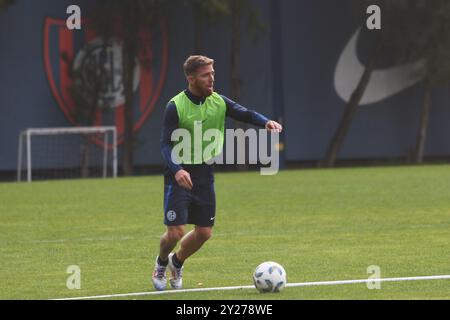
200 173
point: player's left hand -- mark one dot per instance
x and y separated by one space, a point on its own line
274 126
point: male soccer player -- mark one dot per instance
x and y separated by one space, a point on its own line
189 196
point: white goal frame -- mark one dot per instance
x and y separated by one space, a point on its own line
25 136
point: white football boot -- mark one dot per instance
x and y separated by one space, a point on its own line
159 277
176 274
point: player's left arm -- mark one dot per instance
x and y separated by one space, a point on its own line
240 113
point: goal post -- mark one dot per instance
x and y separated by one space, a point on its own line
74 150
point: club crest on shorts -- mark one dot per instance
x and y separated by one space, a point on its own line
171 215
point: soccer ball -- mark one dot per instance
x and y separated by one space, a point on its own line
269 276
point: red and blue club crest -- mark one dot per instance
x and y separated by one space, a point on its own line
68 52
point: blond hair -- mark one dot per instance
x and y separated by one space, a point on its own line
193 63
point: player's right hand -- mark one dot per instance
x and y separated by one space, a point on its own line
183 179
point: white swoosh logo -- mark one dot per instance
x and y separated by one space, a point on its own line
383 83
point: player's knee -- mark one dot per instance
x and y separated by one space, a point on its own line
203 234
175 234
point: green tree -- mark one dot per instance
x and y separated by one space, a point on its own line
426 37
86 90
206 13
242 14
236 14
5 4
412 31
128 21
351 108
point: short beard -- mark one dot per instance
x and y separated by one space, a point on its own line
207 93
204 92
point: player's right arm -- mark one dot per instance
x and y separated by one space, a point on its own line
170 124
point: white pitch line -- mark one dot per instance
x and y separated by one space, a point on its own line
330 283
159 292
303 284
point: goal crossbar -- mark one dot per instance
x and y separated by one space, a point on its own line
28 133
49 131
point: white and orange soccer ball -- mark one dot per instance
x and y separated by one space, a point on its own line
269 276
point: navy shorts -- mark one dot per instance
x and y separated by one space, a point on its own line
183 206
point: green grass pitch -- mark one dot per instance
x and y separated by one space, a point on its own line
321 225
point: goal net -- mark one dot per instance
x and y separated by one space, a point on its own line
65 153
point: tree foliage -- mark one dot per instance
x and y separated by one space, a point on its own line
130 22
418 31
206 13
5 3
412 31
